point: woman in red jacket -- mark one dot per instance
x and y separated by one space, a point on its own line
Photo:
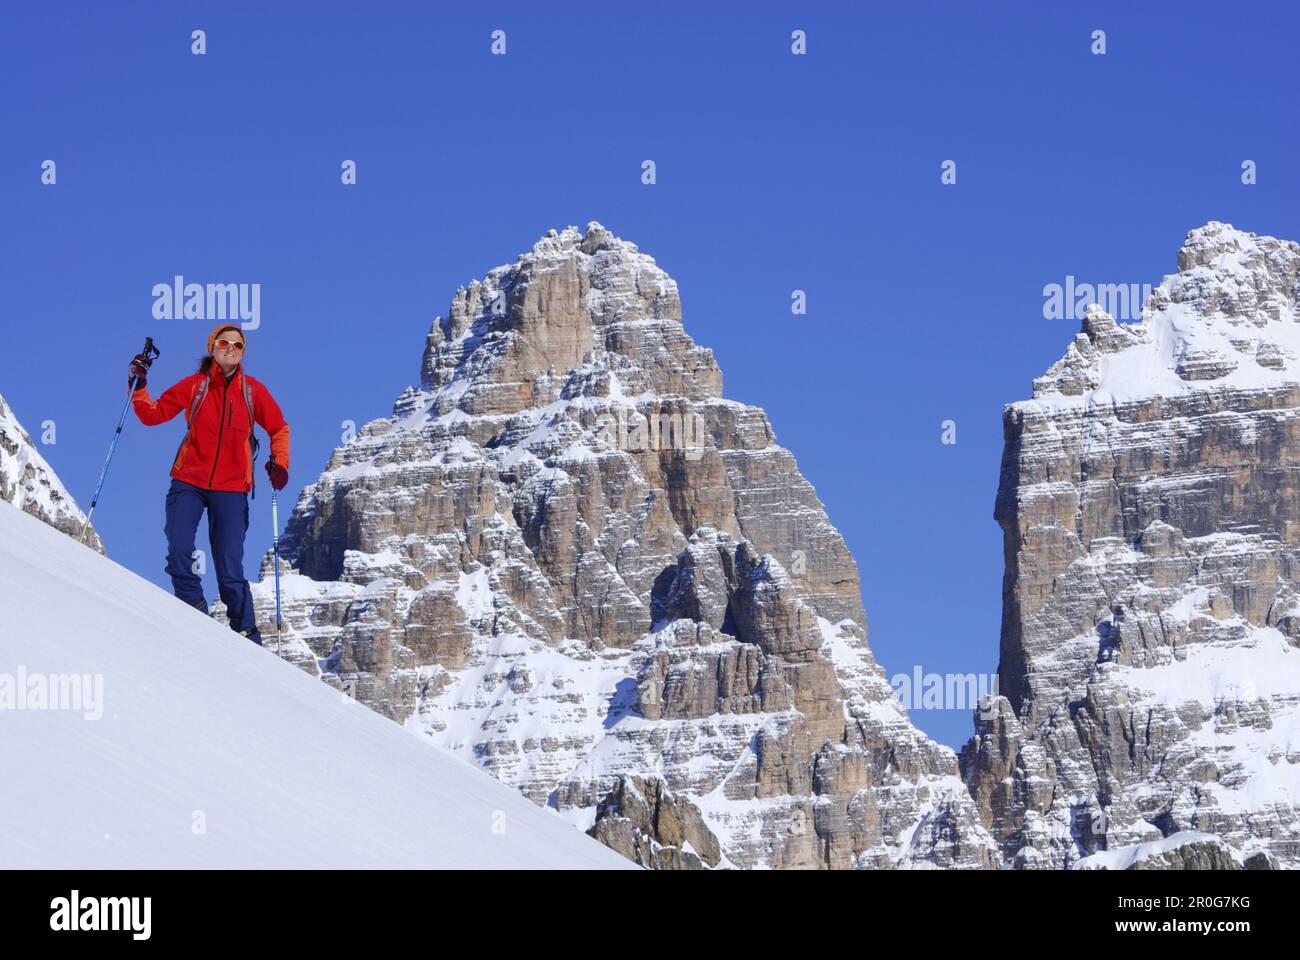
213 467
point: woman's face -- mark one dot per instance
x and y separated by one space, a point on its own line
228 355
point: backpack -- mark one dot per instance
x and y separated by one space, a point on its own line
253 443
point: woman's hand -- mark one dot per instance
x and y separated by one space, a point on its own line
140 364
279 476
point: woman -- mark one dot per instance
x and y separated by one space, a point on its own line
213 468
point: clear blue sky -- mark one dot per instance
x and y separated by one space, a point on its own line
775 173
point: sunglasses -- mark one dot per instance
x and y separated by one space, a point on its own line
229 344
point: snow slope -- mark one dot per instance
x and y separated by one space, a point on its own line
1124 857
208 751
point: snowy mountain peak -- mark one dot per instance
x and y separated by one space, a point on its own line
1208 245
1232 278
1229 319
576 303
569 559
30 483
588 241
1151 618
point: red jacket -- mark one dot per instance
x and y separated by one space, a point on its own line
216 453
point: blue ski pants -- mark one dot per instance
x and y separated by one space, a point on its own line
227 524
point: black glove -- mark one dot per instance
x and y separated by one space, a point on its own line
279 476
140 364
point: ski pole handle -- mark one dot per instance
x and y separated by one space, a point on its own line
150 353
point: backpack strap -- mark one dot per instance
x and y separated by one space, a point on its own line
253 443
200 392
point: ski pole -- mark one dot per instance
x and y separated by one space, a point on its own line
150 352
275 543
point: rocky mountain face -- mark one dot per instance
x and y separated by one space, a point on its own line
567 557
1150 506
31 485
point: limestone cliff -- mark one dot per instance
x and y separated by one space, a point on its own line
1150 506
567 557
